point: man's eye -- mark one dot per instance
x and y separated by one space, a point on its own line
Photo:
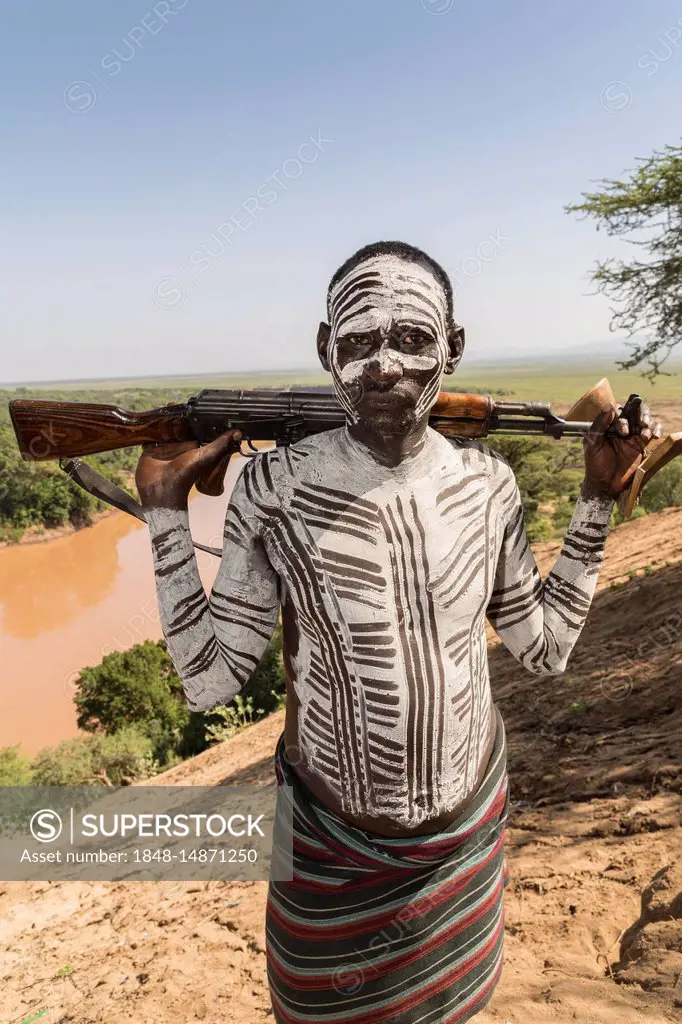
413 338
358 339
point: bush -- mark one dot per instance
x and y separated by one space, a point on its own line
15 768
663 490
617 518
562 515
96 760
267 685
232 719
140 687
539 528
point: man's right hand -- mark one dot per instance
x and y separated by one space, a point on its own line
166 473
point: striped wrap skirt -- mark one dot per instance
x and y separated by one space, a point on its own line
372 930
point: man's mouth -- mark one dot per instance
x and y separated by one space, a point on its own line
385 395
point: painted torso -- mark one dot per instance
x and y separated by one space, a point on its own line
389 572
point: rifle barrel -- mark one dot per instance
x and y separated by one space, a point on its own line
554 426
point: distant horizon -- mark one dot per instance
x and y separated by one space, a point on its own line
609 354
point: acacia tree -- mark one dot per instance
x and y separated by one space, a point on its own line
645 210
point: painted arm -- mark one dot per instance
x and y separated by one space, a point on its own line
540 621
215 643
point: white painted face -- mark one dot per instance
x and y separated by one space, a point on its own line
376 295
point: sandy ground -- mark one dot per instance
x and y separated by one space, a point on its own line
594 907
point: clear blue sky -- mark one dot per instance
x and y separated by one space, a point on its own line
132 131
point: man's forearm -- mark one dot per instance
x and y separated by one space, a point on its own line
184 612
540 622
569 587
585 539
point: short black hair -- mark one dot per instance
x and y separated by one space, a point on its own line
406 252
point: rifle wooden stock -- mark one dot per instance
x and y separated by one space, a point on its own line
456 415
54 430
658 453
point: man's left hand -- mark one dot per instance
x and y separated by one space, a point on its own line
610 462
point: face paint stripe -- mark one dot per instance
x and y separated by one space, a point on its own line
428 322
422 298
376 298
364 283
348 286
351 308
342 321
428 397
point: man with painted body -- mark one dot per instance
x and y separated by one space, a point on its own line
385 546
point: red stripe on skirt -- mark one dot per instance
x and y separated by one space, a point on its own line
389 1013
352 928
320 983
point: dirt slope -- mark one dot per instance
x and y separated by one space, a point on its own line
596 825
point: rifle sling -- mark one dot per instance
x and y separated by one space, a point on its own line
97 485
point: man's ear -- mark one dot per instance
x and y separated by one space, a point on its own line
323 332
455 347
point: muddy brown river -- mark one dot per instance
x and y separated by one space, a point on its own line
67 602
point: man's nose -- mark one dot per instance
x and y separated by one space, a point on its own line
385 368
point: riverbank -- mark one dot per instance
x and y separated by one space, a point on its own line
42 535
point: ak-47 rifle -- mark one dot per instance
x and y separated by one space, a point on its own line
64 430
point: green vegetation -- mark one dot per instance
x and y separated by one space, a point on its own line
132 708
665 489
114 760
38 494
15 768
549 477
139 686
232 719
562 382
645 209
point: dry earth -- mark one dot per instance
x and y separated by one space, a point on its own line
594 908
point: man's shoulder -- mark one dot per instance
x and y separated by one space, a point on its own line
477 455
275 466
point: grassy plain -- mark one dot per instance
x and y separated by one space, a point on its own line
560 381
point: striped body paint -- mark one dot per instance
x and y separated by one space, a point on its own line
391 572
387 294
